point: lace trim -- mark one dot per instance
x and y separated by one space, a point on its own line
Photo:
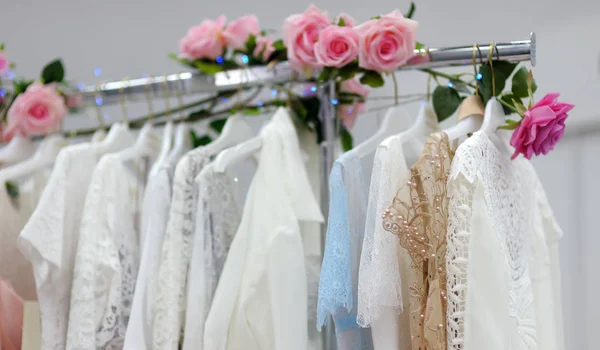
508 194
418 217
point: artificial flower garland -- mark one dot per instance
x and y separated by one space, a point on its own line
353 55
32 107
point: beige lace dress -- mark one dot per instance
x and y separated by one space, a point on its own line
418 216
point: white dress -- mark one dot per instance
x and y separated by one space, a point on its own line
502 259
217 219
49 239
261 299
107 257
169 298
155 213
14 213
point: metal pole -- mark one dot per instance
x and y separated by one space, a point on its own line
190 83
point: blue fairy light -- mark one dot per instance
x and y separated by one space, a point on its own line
450 85
349 110
220 60
273 92
313 88
98 101
97 71
80 86
260 103
245 59
2 93
105 116
478 76
224 99
334 102
11 75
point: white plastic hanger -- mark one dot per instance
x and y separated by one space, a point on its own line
146 145
98 136
182 143
494 117
237 153
235 131
18 149
395 120
165 148
470 119
44 156
425 124
119 137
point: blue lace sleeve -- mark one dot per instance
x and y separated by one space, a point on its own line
335 284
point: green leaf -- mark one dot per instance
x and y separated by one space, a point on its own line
519 83
207 67
509 126
485 84
12 189
2 47
520 108
419 46
505 67
327 73
411 10
53 72
375 17
21 85
445 101
251 44
217 125
349 71
346 139
278 45
251 111
509 99
341 22
198 141
372 78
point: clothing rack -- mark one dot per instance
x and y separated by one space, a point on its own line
281 73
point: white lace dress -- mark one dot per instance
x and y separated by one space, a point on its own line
107 257
502 259
155 212
261 299
385 274
217 219
49 239
169 300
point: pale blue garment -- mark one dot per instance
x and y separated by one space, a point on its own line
339 272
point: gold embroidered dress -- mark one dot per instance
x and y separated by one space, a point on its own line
419 217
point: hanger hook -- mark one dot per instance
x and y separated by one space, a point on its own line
98 103
475 47
491 61
123 101
167 97
148 98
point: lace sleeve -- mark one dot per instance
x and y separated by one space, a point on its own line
335 284
379 281
460 193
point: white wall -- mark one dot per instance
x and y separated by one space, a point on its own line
132 38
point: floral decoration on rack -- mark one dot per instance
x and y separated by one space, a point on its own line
32 107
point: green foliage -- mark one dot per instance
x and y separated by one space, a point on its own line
341 22
411 10
346 139
445 101
519 83
20 85
208 67
278 45
372 78
250 44
486 88
198 141
217 125
53 72
12 189
509 99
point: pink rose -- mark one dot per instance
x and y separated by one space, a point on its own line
37 111
264 48
348 20
300 32
238 32
337 46
387 43
541 128
204 41
349 111
4 65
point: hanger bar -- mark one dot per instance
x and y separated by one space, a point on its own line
190 83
